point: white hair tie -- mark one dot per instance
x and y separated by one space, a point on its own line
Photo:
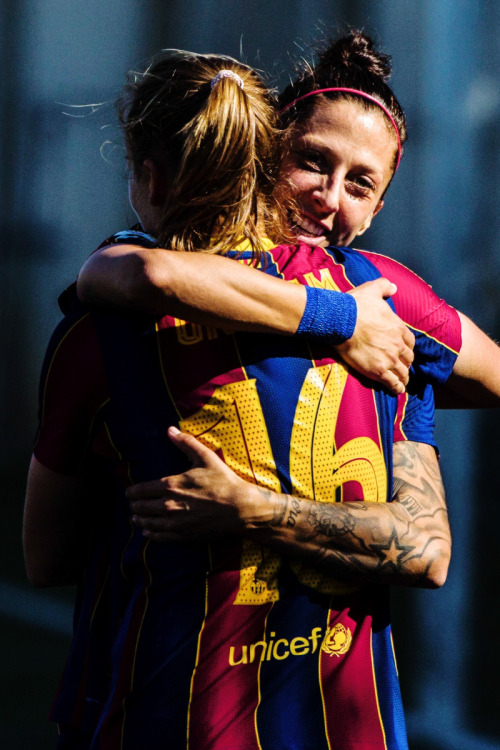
227 74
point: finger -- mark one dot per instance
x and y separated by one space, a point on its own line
409 338
160 531
159 507
401 371
381 286
167 525
406 356
198 453
164 536
145 490
386 287
393 383
151 523
148 507
397 387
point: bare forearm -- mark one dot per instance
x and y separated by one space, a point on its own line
198 287
212 290
405 542
475 380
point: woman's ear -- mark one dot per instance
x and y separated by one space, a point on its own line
367 222
157 183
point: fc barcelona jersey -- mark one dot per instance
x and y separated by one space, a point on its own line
230 645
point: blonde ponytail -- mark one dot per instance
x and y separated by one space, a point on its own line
211 123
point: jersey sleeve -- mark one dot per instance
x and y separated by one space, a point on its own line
133 236
436 325
415 418
73 390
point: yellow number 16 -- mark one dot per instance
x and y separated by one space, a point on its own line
232 422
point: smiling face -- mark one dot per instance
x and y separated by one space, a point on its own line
338 163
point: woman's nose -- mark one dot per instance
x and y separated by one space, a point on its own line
328 196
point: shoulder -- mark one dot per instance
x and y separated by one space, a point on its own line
310 265
73 388
393 269
72 361
417 303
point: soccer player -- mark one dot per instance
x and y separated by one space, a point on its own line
216 639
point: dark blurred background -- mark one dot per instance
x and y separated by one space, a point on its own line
63 190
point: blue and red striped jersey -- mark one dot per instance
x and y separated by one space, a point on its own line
230 645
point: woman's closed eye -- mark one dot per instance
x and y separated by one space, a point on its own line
360 185
310 159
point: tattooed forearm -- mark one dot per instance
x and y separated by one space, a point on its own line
392 553
414 461
279 505
411 504
330 520
285 508
417 485
293 511
406 541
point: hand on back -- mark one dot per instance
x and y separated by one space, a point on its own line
381 347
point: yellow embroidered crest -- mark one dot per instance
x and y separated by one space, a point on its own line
337 640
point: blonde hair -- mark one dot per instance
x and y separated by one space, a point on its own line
218 144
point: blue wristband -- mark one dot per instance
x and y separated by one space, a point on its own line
329 316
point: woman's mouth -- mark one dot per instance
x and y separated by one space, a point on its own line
307 229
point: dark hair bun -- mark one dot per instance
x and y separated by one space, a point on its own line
356 49
350 62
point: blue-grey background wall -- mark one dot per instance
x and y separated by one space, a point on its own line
60 198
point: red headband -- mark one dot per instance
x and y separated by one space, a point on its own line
358 93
